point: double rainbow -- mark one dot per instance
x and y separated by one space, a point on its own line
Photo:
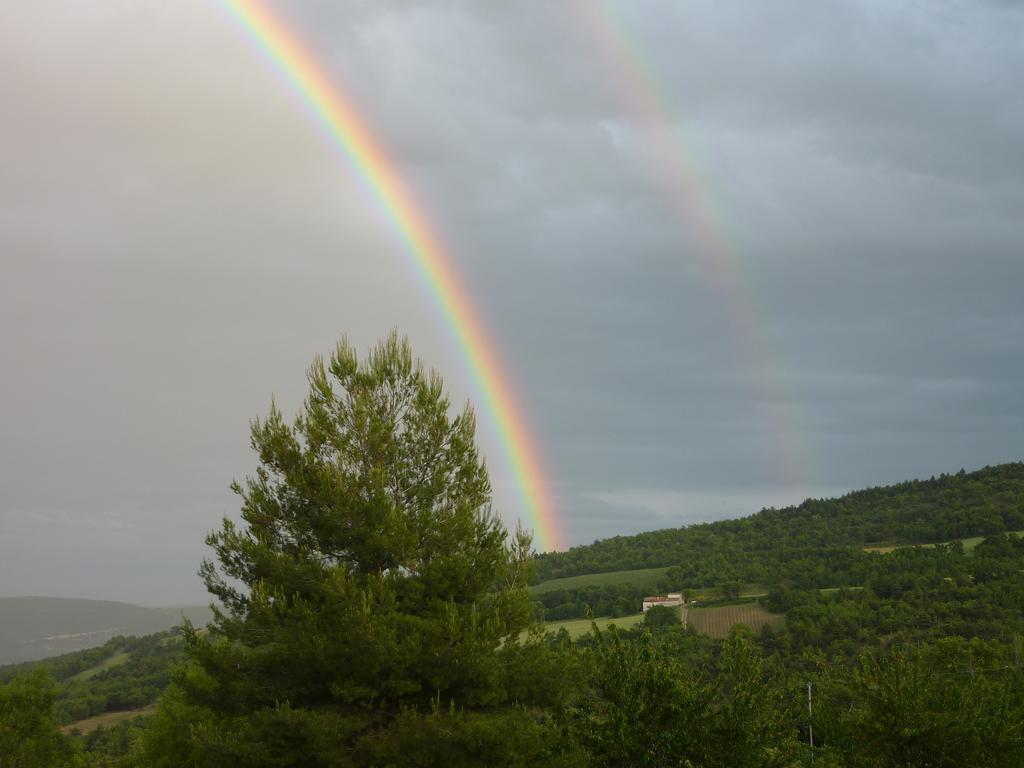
688 192
349 133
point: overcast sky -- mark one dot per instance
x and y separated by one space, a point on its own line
787 264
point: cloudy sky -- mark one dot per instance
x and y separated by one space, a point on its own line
732 254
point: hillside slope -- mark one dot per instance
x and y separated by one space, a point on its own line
36 627
944 508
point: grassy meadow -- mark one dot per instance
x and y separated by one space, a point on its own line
90 724
579 627
969 544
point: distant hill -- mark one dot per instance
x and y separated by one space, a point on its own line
37 627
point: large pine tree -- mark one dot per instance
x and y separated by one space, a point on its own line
371 599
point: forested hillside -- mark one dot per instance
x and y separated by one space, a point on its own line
98 695
819 545
990 500
125 673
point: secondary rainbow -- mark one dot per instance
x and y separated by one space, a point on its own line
339 117
689 193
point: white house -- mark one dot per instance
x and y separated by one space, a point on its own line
671 600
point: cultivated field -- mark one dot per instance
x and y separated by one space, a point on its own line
884 549
90 724
640 577
716 622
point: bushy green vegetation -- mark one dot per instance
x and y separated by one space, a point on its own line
948 703
646 708
29 737
913 595
667 697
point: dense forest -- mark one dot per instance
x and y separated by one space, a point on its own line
373 611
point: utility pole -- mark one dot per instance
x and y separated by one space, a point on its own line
810 716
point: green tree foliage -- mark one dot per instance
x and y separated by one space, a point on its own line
660 617
29 735
910 596
732 589
645 709
372 601
951 703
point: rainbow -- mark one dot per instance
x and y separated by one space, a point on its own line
339 118
717 258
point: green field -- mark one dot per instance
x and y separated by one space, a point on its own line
640 577
969 544
116 660
579 627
